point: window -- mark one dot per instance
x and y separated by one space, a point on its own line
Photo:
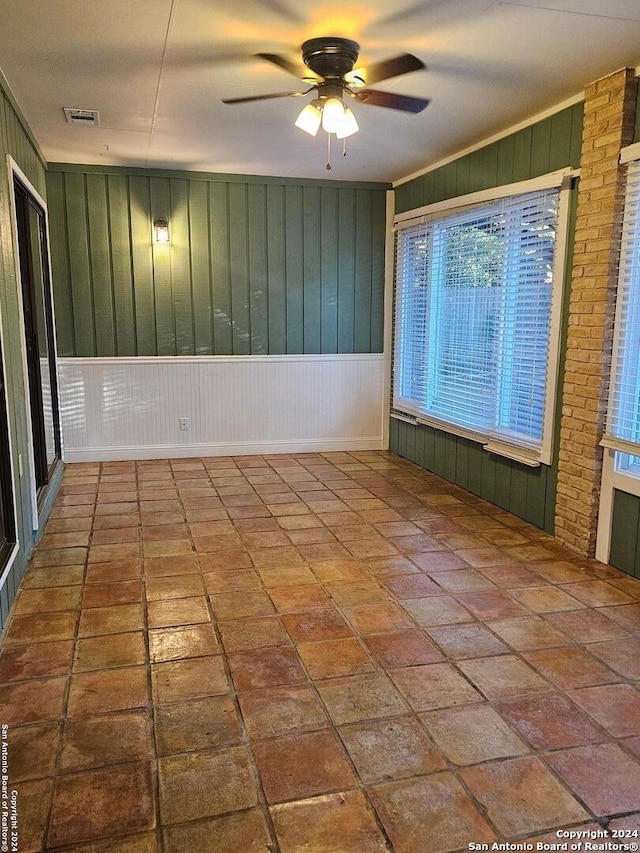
476 317
623 424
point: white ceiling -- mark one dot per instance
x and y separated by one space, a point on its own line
157 70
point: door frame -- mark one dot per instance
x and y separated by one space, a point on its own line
16 173
14 494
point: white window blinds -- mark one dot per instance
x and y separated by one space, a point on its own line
473 316
623 424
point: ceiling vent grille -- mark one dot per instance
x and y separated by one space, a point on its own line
89 118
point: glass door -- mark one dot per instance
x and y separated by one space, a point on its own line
39 334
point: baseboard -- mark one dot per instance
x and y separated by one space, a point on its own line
180 451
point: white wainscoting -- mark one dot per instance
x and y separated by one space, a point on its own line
130 408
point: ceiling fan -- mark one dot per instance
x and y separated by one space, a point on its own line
334 77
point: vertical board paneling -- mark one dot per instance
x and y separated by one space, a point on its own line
100 264
550 144
160 197
294 266
63 295
239 266
121 260
199 248
254 265
312 270
258 273
624 532
180 268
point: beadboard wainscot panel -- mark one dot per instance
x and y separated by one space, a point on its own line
131 408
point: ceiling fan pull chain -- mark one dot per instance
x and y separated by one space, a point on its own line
344 147
328 151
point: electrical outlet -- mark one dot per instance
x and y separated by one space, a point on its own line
184 424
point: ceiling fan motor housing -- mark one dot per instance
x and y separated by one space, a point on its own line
330 57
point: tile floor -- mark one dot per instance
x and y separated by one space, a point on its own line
335 652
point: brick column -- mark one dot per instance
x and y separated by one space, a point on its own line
609 118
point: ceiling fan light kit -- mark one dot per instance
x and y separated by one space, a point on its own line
332 60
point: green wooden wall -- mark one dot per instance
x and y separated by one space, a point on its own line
15 140
550 144
625 533
254 265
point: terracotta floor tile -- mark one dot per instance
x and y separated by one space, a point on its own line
616 707
239 604
503 676
301 765
116 570
194 678
59 557
299 522
35 660
467 641
365 591
192 641
627 616
340 519
52 577
280 557
241 635
550 721
353 532
546 599
390 749
173 612
32 701
623 656
375 618
37 628
412 586
181 564
197 725
388 566
115 535
201 784
210 528
570 667
115 690
339 570
437 610
174 586
433 686
281 710
91 742
33 751
429 807
279 576
325 623
246 832
521 796
168 547
109 594
100 803
93 653
528 633
150 518
597 593
231 580
360 697
631 586
118 619
402 648
472 733
468 580
491 604
33 798
106 553
365 549
269 667
604 776
293 599
586 626
510 577
328 823
332 658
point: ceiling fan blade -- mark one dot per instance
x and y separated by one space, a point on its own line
263 97
295 68
406 103
402 64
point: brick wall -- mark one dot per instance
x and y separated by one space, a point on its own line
609 118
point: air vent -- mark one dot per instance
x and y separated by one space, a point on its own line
90 118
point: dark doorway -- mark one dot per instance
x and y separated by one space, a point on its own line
39 335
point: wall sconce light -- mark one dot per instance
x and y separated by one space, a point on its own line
161 228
